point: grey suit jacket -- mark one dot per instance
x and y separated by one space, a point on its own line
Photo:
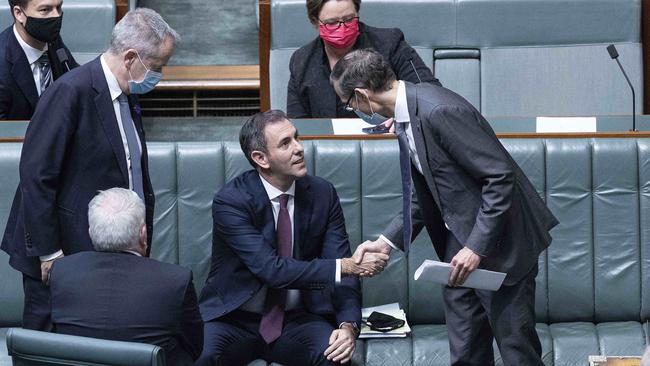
471 183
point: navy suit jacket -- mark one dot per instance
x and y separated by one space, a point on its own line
123 297
244 256
72 149
18 93
310 94
471 183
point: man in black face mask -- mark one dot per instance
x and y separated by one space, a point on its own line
35 56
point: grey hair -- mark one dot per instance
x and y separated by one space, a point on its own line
364 69
115 218
143 30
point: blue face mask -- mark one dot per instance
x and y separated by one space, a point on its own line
150 80
373 119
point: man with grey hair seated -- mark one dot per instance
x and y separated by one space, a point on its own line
117 293
86 135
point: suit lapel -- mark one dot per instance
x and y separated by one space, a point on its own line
263 209
303 204
106 115
21 71
327 94
420 145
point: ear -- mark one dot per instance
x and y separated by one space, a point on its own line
260 159
143 239
129 57
19 15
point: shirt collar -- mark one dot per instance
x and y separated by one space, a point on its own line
33 54
274 193
133 252
113 85
401 106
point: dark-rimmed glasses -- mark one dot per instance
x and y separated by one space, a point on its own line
333 25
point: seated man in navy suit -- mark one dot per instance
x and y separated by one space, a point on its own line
33 56
117 293
281 286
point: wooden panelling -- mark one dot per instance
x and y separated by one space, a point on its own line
265 51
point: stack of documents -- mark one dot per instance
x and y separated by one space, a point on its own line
390 309
439 272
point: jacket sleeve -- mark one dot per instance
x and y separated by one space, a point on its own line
5 100
48 136
408 65
479 154
296 107
191 323
347 294
395 229
233 223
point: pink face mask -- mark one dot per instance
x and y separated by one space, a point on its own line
342 37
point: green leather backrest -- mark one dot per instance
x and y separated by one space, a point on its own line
597 268
30 347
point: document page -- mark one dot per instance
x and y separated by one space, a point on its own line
566 124
349 126
439 272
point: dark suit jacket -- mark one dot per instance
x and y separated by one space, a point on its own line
310 94
244 256
471 183
18 93
121 296
72 149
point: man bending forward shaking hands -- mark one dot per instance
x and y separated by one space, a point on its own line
280 286
477 205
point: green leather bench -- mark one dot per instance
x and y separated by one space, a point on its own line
593 293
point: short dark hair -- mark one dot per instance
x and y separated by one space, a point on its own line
364 69
251 135
21 3
314 7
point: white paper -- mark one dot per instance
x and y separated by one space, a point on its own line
566 124
386 309
349 126
439 272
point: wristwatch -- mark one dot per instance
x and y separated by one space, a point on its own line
354 325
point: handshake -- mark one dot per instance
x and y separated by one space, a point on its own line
368 260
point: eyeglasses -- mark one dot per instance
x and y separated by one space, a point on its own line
348 107
333 25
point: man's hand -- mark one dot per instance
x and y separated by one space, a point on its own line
390 124
371 265
377 246
342 344
463 263
46 267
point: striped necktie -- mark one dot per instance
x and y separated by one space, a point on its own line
405 169
134 147
45 71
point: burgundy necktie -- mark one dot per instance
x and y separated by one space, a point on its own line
276 299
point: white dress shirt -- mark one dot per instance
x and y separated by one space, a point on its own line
256 303
115 91
33 54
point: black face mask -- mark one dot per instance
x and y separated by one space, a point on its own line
44 29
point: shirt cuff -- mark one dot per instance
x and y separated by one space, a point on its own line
47 258
337 276
382 237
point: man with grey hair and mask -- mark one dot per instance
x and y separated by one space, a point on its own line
122 295
86 135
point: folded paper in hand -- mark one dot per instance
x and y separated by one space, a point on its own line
479 279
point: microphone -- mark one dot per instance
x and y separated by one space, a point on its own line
63 57
614 55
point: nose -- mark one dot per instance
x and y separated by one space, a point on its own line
298 148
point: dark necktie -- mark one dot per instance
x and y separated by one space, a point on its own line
134 146
405 168
276 299
45 71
